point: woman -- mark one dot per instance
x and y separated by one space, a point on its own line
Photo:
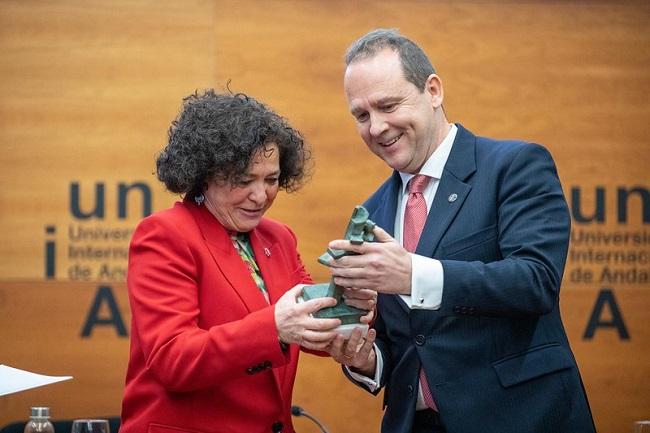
213 284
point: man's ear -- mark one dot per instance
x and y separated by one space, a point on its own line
433 86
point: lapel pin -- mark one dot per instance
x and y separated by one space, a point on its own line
267 252
452 198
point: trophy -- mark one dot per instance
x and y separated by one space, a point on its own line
359 231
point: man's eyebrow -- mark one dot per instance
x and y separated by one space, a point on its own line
388 99
356 110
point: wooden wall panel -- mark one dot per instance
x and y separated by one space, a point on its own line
42 326
87 91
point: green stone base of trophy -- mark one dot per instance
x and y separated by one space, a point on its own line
347 314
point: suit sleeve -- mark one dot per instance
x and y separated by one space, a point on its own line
163 292
533 227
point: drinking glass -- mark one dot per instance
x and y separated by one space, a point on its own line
642 426
90 426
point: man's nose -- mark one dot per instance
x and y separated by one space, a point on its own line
377 125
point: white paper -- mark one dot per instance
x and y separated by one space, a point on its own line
15 380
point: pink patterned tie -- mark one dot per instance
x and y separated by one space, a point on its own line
416 212
415 216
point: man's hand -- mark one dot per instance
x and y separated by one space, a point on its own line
363 299
357 353
383 266
295 324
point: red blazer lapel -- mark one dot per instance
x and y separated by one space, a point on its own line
227 258
270 260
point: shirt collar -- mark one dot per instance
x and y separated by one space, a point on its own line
434 166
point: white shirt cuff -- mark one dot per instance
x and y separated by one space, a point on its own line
427 279
371 384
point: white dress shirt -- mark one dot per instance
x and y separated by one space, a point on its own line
427 277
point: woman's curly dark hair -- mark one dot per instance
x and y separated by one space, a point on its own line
214 137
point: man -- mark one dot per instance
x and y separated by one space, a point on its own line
468 264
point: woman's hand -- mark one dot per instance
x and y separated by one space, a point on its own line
296 325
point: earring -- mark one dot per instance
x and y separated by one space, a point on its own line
199 199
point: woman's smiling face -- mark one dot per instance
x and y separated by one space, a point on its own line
240 207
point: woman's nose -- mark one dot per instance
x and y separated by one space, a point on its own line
258 193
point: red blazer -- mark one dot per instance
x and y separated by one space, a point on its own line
205 355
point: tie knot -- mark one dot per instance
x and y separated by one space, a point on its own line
418 183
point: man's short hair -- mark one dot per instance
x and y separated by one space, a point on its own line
415 63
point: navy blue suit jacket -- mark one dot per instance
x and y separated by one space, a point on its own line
495 354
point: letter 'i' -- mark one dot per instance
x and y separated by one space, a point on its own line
50 253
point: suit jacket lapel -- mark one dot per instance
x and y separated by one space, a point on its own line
227 258
452 191
384 215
